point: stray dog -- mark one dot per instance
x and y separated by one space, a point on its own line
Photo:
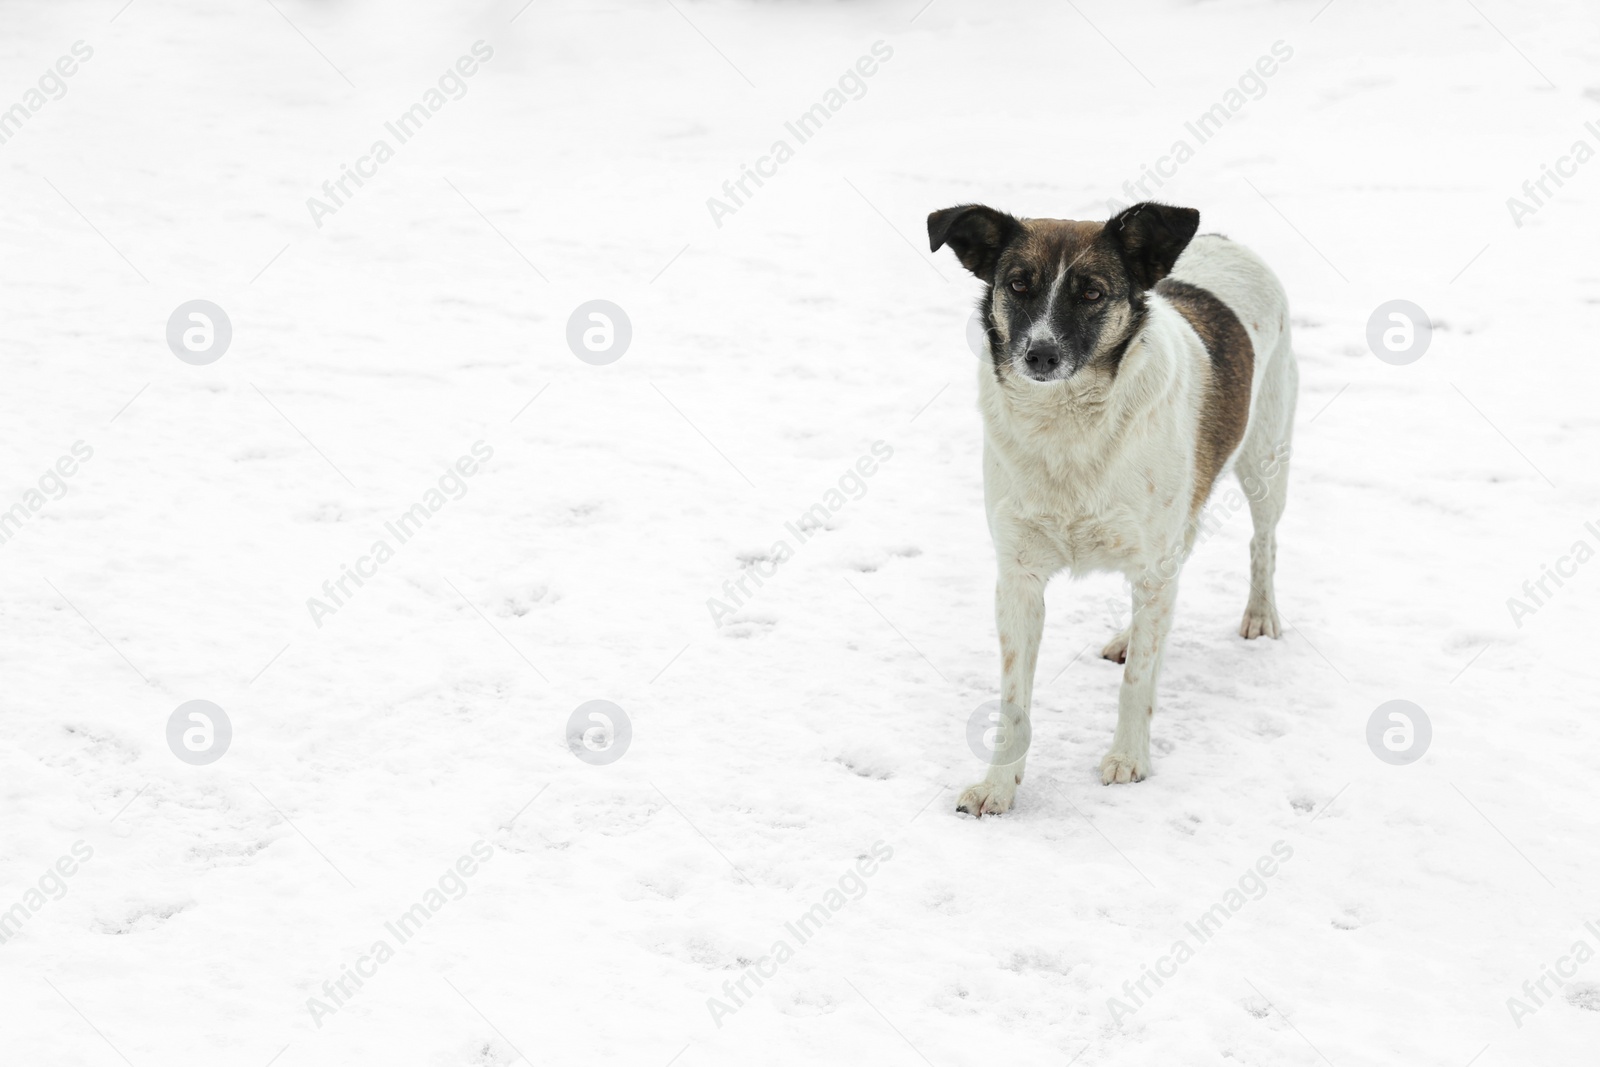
1130 365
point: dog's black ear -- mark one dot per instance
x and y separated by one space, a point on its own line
976 234
1151 236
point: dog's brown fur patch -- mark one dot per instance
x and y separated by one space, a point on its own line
1226 409
1047 246
1045 242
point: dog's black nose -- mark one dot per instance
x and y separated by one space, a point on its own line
1043 357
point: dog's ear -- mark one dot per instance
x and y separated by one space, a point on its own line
976 234
1151 236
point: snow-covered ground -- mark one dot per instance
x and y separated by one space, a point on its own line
405 744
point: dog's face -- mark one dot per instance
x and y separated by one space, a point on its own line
1063 295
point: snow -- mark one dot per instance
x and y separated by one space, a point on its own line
819 733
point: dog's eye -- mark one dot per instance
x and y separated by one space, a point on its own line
1018 285
1091 295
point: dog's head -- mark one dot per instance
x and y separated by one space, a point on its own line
1063 295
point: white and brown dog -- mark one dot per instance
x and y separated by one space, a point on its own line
1130 365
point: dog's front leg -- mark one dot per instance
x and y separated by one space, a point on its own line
1019 615
1153 601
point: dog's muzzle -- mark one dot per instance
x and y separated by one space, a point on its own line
1042 359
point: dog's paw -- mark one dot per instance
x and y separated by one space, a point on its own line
987 798
1116 649
1260 622
1120 767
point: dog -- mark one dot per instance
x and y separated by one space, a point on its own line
1130 364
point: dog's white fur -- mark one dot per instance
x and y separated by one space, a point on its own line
1098 472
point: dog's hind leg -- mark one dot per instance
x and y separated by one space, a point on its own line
1116 649
1263 470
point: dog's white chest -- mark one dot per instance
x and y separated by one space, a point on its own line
1118 521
